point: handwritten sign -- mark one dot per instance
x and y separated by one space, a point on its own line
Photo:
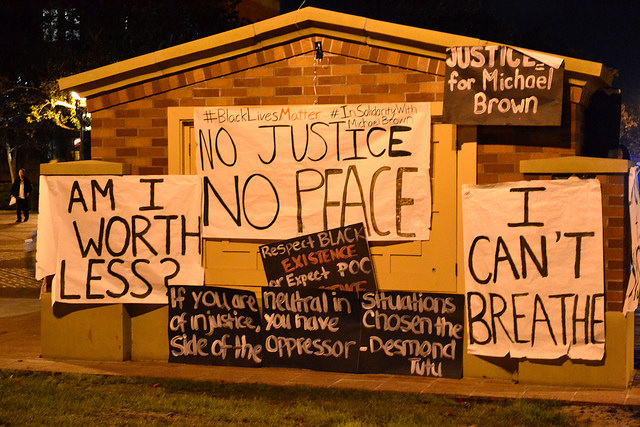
534 269
280 172
311 328
633 286
407 333
214 326
499 85
121 239
412 333
334 259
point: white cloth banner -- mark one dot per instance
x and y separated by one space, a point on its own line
534 270
278 172
633 286
119 239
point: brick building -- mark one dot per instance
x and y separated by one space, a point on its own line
142 116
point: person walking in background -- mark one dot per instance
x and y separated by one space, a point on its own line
21 190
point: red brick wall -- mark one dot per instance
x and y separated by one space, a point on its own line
130 125
617 253
500 149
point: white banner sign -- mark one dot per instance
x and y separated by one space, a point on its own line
633 286
534 269
119 239
278 172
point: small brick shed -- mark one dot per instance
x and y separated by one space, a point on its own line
142 115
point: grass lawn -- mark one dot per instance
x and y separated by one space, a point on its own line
32 398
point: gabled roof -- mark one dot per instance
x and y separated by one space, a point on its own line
282 29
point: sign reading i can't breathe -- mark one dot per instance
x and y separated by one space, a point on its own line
499 85
278 172
334 259
534 269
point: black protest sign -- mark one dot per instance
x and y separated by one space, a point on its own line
336 259
412 333
311 329
214 326
498 85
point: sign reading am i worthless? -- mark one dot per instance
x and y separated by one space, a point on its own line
534 269
119 239
279 172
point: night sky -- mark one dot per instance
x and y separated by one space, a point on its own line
603 31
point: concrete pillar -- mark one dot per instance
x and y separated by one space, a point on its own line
84 331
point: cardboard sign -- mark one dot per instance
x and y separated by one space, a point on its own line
633 286
499 85
119 239
534 269
214 326
311 329
334 259
412 333
277 172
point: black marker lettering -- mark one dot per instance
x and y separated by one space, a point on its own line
108 189
76 196
134 270
90 277
125 282
152 194
63 295
526 222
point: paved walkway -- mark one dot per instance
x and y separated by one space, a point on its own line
20 350
16 266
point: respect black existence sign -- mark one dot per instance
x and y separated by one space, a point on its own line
337 259
498 85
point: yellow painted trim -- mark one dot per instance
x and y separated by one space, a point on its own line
466 137
282 29
175 117
85 167
575 164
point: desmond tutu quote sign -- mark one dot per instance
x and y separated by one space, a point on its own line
214 326
409 333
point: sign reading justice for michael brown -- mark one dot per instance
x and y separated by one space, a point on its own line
498 85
